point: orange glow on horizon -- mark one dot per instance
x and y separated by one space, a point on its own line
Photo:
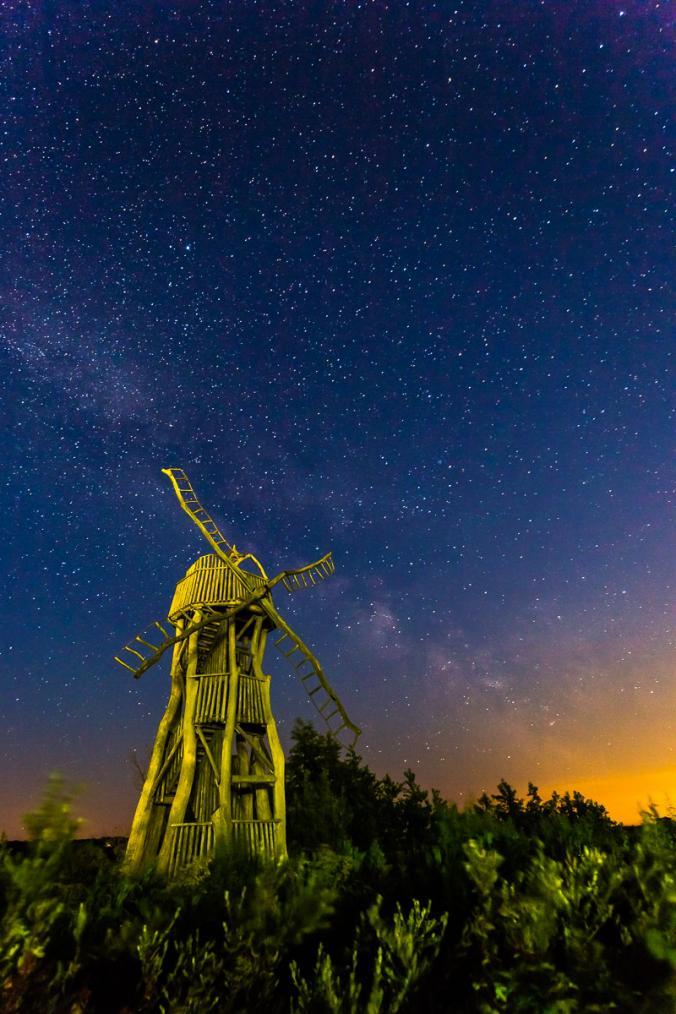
625 795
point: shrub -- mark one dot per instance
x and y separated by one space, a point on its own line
534 905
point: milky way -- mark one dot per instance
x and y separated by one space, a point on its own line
386 279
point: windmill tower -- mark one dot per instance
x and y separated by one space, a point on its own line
216 773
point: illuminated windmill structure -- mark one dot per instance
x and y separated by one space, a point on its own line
216 774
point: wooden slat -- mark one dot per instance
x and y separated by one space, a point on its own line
210 582
190 842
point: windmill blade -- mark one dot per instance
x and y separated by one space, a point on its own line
293 580
149 652
308 576
141 652
322 695
197 513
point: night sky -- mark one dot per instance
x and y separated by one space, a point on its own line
386 279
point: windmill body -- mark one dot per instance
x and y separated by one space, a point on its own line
217 767
216 773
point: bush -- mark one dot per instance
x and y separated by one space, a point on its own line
392 900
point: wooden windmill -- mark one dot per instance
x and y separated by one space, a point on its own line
216 774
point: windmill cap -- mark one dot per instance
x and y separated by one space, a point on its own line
209 582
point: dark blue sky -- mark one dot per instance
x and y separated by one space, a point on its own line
389 279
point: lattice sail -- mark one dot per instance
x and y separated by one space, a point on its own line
141 652
306 577
307 668
192 506
149 652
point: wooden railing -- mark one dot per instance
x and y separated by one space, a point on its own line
212 699
251 699
190 842
258 837
196 841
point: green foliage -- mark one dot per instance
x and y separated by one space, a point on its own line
392 900
556 937
402 949
38 912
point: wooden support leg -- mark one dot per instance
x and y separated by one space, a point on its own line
223 820
263 805
278 795
245 791
139 848
187 774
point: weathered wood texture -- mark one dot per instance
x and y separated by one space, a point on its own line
210 583
168 730
216 773
217 768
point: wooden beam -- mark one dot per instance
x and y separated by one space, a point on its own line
254 779
209 754
258 753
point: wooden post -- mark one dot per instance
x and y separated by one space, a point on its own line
136 853
278 794
223 826
245 792
187 775
263 807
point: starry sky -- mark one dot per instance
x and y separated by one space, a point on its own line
390 279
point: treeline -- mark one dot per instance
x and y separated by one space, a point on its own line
392 900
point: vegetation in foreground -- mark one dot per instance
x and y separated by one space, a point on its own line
392 900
